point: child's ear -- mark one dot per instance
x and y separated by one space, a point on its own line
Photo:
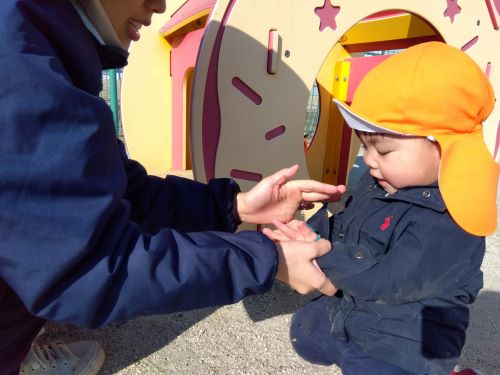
436 146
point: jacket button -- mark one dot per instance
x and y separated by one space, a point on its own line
341 235
359 255
426 194
370 187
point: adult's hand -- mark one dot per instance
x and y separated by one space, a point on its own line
297 266
276 197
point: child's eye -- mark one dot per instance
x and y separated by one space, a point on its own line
384 152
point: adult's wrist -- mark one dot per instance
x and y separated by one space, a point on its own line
236 205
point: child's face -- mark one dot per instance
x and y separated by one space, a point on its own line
399 161
128 16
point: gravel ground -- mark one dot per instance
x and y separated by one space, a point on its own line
251 337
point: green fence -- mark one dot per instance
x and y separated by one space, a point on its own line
111 87
312 114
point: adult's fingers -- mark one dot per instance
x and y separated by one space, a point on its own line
327 287
314 191
316 280
312 186
283 175
319 248
321 197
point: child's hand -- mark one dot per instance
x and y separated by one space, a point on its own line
295 230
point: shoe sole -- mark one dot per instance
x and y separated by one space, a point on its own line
94 367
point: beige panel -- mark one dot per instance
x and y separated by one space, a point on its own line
199 87
284 94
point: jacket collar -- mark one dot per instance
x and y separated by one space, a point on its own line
111 57
427 196
108 47
97 21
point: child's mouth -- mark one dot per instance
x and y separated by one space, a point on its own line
381 181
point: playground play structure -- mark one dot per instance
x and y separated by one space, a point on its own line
221 87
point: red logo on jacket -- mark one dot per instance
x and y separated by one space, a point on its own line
387 223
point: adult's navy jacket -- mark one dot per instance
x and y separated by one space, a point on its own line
407 273
86 237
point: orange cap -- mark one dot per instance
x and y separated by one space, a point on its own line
437 91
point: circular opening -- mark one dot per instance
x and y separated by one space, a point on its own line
331 148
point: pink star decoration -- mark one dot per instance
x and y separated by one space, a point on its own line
452 10
327 14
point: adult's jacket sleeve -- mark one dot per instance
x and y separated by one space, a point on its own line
417 267
75 242
195 206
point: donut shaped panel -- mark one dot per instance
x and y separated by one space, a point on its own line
259 59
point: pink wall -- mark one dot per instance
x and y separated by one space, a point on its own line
182 59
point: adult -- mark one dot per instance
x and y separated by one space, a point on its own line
86 236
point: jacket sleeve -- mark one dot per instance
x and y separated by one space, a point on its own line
428 259
69 248
179 203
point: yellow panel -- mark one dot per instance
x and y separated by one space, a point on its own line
195 22
186 131
146 108
341 79
335 124
386 29
316 153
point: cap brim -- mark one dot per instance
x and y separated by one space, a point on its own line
468 175
357 122
468 180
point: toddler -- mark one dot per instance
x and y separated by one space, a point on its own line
407 249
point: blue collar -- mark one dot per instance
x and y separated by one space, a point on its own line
427 196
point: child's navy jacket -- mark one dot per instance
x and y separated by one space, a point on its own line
86 237
407 273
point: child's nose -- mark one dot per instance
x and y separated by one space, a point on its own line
369 160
